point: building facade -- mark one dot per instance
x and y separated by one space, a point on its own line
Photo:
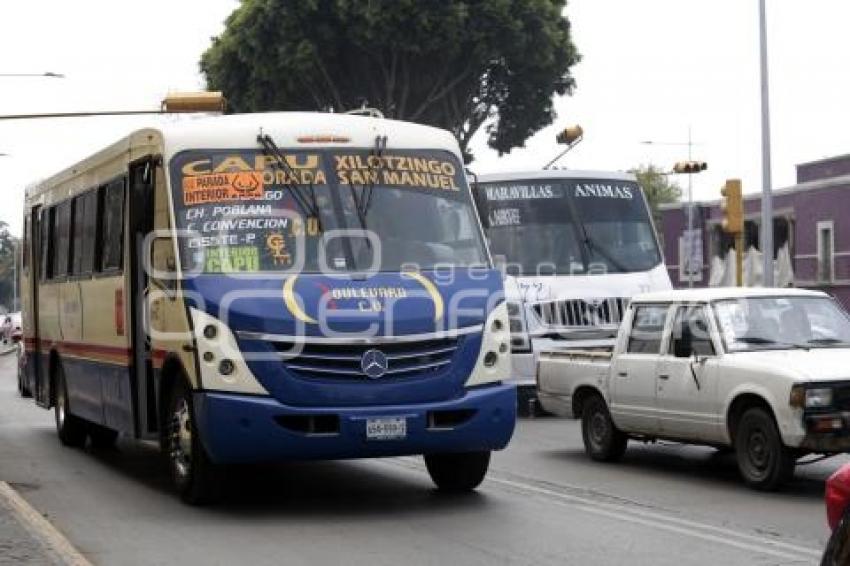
811 235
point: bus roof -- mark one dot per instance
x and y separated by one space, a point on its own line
241 130
555 174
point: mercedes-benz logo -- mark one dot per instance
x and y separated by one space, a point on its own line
374 364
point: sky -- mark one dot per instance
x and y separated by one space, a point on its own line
651 70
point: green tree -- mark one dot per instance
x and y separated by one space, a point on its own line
658 188
455 64
7 271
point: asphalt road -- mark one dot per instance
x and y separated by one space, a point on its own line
543 503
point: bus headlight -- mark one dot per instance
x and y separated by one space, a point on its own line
217 342
494 357
520 341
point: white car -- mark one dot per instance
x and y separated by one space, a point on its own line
10 324
763 371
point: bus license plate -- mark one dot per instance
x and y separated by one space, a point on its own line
386 428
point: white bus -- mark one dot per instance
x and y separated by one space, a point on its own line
576 245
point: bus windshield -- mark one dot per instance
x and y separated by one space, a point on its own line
569 226
323 210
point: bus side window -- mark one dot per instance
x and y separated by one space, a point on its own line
25 248
85 215
62 239
45 248
78 215
112 225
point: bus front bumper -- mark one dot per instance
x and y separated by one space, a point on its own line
241 428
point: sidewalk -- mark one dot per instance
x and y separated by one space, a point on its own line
28 538
17 545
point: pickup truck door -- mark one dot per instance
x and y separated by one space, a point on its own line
686 397
634 371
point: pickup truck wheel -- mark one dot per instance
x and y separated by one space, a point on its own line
457 473
765 463
602 440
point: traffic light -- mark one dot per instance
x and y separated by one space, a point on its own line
690 166
568 136
732 207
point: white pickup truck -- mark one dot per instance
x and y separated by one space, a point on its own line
763 371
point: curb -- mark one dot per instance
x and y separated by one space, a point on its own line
48 536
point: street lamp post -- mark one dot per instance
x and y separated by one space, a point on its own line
767 195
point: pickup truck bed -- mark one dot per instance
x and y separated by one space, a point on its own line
559 374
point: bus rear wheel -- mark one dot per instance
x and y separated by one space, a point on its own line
457 473
198 479
71 430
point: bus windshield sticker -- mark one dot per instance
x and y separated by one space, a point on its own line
396 170
221 187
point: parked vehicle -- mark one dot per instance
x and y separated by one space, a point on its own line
10 326
837 497
576 245
762 371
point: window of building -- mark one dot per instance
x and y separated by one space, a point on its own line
826 251
112 225
61 240
647 329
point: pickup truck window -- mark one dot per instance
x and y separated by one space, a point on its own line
647 329
691 321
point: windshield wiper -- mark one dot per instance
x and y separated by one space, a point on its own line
594 245
760 340
362 202
755 340
830 341
306 202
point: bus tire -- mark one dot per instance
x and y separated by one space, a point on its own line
71 429
764 462
102 438
22 378
197 479
458 472
603 441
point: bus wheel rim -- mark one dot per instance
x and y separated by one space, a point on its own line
181 439
60 408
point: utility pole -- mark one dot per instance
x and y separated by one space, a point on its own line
767 195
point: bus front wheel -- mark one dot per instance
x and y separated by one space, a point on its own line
197 478
459 472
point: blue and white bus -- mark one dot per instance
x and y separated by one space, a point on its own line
281 286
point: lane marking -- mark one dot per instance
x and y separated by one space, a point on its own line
53 541
637 515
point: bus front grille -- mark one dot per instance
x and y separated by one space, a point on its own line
345 362
582 313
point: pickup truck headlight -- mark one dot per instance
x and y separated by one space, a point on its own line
817 398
